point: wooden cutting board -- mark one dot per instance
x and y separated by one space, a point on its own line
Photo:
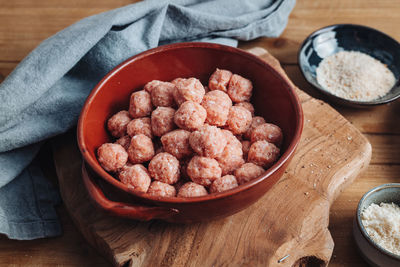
286 227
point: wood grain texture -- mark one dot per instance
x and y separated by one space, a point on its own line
326 161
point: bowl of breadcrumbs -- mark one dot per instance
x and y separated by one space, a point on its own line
352 65
376 226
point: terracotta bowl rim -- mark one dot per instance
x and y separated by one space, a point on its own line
95 166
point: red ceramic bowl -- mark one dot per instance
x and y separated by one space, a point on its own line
273 98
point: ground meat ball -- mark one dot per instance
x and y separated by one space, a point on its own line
247 172
140 104
203 170
224 183
118 122
112 156
217 105
162 120
246 105
141 149
240 89
177 143
164 168
239 120
140 126
136 177
245 147
188 89
231 158
190 116
255 121
263 153
206 89
151 85
124 141
268 132
208 141
231 139
162 95
161 189
191 189
219 80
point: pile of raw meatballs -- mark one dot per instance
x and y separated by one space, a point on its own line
182 139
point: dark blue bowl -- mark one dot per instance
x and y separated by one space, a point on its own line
348 37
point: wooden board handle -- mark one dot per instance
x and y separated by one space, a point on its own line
136 212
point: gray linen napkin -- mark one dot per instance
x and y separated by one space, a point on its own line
43 96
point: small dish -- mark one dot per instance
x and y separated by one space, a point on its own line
348 37
374 254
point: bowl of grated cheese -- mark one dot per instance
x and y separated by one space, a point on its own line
352 65
376 227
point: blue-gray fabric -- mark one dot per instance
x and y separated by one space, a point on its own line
43 96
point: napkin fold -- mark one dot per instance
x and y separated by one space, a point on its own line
43 96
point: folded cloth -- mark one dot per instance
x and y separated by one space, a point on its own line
43 96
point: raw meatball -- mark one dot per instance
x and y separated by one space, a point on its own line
239 120
206 89
164 168
161 189
263 153
188 89
141 149
177 143
135 177
124 141
151 85
217 105
224 183
140 104
240 89
231 139
247 172
255 121
118 122
203 170
231 157
246 105
245 147
190 116
219 80
112 156
191 189
140 126
162 120
208 141
268 132
162 94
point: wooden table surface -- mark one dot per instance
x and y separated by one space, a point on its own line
25 23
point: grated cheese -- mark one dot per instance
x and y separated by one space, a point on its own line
382 223
355 76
